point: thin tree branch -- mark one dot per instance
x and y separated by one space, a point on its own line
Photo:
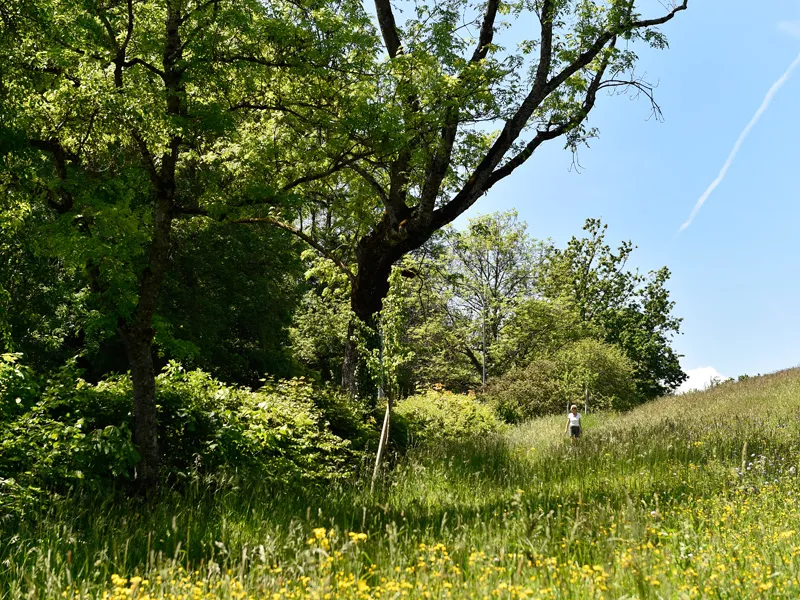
301 235
200 7
369 178
280 224
112 35
147 157
660 20
234 58
129 30
337 165
145 64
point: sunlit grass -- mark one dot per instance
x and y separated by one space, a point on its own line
688 497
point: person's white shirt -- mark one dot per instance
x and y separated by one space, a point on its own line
574 420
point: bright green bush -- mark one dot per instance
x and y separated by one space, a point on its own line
289 432
441 415
282 430
548 384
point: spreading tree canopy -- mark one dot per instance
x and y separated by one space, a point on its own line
119 117
460 112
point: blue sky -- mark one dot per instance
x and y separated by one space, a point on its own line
735 268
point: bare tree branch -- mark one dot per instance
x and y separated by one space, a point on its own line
660 20
641 87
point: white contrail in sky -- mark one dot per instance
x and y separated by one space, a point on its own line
737 146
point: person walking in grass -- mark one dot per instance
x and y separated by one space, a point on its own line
573 423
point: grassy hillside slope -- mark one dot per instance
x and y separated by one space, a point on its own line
688 497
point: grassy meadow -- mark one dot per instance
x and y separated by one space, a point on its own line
687 497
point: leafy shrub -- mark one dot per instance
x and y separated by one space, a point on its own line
19 387
437 415
283 429
524 393
78 432
550 383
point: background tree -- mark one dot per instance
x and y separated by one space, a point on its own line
466 287
554 380
228 299
491 266
537 327
628 309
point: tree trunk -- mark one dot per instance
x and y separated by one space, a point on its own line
375 255
137 334
138 345
350 364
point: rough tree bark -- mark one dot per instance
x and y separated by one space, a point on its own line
375 255
137 332
139 349
137 335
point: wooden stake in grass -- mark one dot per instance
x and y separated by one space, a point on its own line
382 443
385 429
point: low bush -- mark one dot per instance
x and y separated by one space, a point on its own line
441 415
548 384
284 429
289 432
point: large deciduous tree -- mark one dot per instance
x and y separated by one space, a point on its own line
120 116
445 81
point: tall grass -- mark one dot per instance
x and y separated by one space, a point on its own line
686 497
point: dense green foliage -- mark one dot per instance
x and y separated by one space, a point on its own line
229 296
229 312
552 382
490 301
62 431
164 164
